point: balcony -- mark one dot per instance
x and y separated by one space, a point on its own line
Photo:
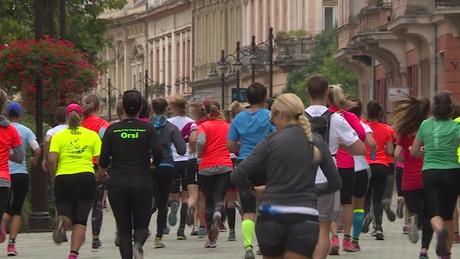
375 16
447 3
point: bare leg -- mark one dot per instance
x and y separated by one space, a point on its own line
322 248
78 237
15 224
193 191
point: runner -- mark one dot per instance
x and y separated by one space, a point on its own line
379 168
215 167
70 163
127 148
163 174
62 124
338 131
246 131
437 142
19 176
407 123
92 122
179 192
288 159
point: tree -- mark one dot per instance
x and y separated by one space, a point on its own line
84 27
322 62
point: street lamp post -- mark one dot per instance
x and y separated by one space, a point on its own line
146 80
109 90
223 65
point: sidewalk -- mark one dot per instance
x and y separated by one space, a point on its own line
41 246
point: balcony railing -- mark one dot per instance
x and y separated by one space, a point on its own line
447 3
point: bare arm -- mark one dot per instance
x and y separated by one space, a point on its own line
46 149
389 148
370 141
233 146
52 164
398 154
37 153
357 148
192 142
416 149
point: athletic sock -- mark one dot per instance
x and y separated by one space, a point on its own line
247 227
231 218
358 219
183 215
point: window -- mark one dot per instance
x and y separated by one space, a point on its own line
328 18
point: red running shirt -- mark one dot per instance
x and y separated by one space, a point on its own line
382 135
9 138
215 152
95 124
412 173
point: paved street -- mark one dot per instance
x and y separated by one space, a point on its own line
41 246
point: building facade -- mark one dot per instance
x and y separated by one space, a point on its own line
218 25
409 46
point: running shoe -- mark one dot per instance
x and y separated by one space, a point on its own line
222 227
214 233
202 232
158 243
390 214
441 246
456 238
190 215
104 204
356 244
194 231
412 231
11 250
181 234
59 232
423 256
379 234
138 251
231 236
172 217
367 221
335 246
348 246
2 232
96 245
400 209
447 256
249 254
339 228
166 230
405 228
72 257
210 244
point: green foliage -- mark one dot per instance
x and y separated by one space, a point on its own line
291 35
83 26
322 62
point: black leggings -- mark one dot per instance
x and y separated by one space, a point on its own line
74 196
441 189
417 203
214 188
4 193
375 191
18 193
398 176
132 209
348 185
180 177
361 183
162 181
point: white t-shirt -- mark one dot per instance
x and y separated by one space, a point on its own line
180 123
360 161
58 128
339 130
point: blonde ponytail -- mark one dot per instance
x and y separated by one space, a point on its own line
74 120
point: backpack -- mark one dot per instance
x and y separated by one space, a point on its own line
320 124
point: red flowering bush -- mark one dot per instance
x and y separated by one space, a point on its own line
65 72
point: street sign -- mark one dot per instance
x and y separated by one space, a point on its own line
396 92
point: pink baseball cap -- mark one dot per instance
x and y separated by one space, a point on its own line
73 107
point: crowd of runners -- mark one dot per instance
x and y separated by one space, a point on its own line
297 176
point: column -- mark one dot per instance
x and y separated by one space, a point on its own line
282 15
166 61
300 14
154 59
172 62
274 15
265 19
181 58
160 62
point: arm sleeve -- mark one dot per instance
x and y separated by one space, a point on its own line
34 144
201 140
233 132
327 165
18 154
257 159
178 141
155 147
104 157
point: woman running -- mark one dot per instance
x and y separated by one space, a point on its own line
409 113
127 147
91 121
379 168
289 159
163 174
70 163
346 166
215 166
9 141
19 175
362 175
437 142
